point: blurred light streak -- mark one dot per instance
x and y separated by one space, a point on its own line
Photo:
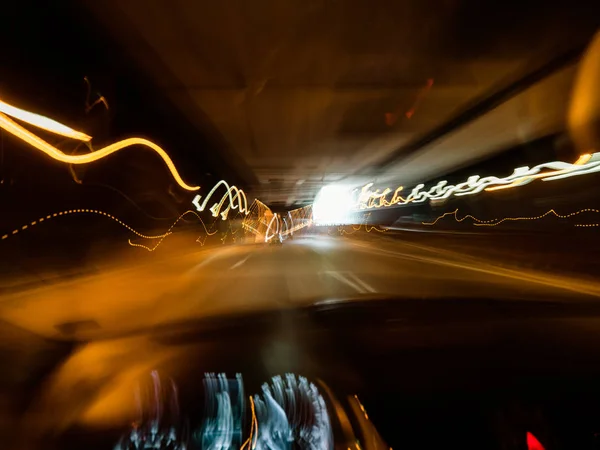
84 211
362 408
583 159
342 229
42 122
100 99
35 141
253 427
257 221
533 443
163 236
494 222
292 412
154 429
275 219
302 217
238 194
419 98
370 199
224 411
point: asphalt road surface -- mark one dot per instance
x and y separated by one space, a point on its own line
190 282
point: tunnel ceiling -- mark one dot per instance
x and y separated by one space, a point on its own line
311 92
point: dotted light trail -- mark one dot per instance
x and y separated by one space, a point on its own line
83 211
368 228
50 125
495 222
163 236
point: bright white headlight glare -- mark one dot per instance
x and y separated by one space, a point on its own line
334 205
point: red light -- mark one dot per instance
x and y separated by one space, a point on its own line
533 443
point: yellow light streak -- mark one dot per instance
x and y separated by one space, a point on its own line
301 216
275 219
253 428
35 141
83 211
583 159
495 222
161 236
362 408
342 229
255 221
42 122
168 232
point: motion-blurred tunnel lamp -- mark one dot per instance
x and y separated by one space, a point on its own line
584 110
333 205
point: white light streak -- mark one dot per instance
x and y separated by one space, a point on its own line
550 171
237 200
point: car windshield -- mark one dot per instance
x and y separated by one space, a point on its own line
163 164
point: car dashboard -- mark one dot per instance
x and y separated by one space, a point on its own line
360 374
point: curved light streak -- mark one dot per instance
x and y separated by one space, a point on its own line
253 428
299 218
550 171
494 222
80 211
37 142
233 193
275 219
342 229
162 237
292 414
42 122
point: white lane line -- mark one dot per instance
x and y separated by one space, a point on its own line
239 263
338 276
202 263
557 281
362 282
215 254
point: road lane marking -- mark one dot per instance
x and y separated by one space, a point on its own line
342 279
362 282
240 262
556 281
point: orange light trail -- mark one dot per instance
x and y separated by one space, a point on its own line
342 230
42 122
168 232
253 428
494 222
82 211
47 124
161 237
583 159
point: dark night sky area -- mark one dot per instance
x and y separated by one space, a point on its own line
48 49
